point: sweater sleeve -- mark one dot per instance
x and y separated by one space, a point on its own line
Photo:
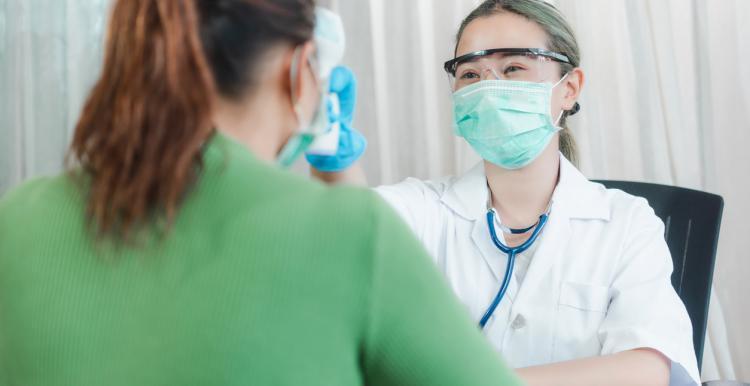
417 333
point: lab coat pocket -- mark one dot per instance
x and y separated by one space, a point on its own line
581 310
585 297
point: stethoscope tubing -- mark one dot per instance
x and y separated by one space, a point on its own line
511 252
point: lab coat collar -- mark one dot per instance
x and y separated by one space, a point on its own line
575 196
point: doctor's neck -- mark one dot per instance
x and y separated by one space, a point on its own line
520 196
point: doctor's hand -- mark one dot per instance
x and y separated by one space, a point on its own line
351 143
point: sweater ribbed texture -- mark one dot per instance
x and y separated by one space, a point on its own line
264 279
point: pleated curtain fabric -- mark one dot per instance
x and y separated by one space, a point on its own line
667 100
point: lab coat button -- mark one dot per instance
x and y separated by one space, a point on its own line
518 323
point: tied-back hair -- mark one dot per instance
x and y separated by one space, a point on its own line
140 137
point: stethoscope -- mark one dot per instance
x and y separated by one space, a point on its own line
511 252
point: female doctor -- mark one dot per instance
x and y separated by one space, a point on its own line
569 280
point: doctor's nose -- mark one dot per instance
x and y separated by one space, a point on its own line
489 73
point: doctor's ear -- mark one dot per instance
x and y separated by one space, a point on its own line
573 85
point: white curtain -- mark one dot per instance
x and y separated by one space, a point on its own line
49 56
666 101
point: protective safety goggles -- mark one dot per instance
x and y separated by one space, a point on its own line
517 64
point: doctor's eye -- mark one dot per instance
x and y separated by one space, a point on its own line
469 75
511 69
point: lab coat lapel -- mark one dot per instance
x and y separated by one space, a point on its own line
467 197
495 259
575 198
539 284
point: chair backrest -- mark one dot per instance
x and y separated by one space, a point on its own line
692 220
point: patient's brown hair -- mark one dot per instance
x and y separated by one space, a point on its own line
140 136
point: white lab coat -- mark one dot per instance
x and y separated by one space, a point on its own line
598 282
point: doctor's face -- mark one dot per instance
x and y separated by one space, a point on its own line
508 30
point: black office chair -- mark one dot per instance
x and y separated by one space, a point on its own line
691 220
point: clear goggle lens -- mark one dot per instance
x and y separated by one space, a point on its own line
524 67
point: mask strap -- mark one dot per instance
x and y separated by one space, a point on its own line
561 80
294 72
559 117
293 75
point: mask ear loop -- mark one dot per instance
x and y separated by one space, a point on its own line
561 80
293 74
562 112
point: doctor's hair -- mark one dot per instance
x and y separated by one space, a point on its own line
561 38
139 141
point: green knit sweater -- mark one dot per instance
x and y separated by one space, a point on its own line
265 279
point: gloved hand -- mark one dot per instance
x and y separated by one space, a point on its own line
351 143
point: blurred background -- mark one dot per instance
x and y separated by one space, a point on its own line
667 100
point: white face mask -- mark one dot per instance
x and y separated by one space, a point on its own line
330 44
330 41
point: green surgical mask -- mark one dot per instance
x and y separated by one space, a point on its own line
294 148
507 122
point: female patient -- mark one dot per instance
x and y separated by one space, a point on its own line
177 253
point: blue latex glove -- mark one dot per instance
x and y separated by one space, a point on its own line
351 143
